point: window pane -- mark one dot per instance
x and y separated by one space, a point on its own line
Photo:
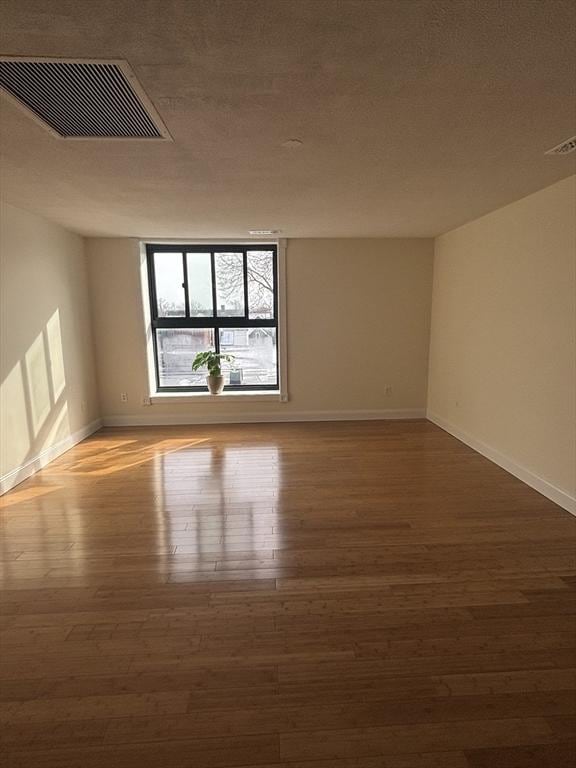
254 350
177 348
260 284
169 284
229 284
199 284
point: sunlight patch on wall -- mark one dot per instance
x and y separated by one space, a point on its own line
14 421
38 385
60 428
56 354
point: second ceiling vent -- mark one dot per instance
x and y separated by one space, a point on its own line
82 99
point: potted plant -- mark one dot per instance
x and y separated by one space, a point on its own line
213 361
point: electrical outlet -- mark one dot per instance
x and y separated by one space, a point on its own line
123 397
146 400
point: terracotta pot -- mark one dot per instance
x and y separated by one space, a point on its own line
215 384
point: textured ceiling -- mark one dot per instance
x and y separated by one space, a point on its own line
415 115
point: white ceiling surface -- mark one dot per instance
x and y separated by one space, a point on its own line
415 115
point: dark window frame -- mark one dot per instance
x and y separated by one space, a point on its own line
214 322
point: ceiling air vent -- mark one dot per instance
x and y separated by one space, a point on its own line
81 99
563 149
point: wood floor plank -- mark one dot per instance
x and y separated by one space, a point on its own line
94 707
533 756
559 707
436 737
200 753
333 595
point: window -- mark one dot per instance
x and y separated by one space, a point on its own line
222 298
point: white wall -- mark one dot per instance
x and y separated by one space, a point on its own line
48 390
503 339
358 321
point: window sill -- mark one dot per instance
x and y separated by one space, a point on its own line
263 396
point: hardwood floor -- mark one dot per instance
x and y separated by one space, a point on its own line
336 595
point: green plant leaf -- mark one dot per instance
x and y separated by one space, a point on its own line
212 361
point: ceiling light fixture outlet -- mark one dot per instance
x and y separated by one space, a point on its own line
564 148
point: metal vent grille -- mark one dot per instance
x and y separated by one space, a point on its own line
563 149
82 99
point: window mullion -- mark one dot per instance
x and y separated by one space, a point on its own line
214 307
245 279
213 272
275 286
152 283
211 322
185 284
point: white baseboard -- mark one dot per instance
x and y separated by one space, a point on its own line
250 418
16 476
551 492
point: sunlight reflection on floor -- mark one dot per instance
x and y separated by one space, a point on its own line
217 502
